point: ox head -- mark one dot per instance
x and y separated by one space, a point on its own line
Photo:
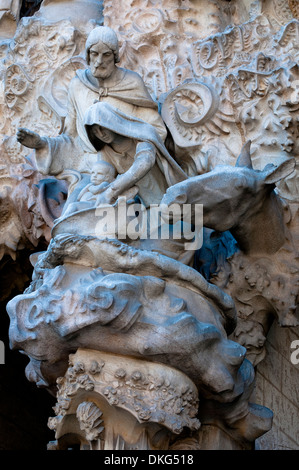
228 193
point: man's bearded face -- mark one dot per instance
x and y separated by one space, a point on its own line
101 61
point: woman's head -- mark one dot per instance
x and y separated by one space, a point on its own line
101 133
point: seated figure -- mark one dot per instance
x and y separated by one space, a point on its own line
102 175
103 81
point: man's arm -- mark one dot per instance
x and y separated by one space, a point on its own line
54 154
30 139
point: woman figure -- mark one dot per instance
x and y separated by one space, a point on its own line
103 81
142 161
136 150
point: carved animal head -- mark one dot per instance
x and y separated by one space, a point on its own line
228 193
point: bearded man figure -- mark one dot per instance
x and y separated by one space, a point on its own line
103 81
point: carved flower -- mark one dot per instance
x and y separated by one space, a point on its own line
120 373
79 367
178 406
144 414
53 423
136 376
96 367
113 401
71 374
110 393
61 406
16 84
156 383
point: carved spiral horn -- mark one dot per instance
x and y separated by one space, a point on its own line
244 158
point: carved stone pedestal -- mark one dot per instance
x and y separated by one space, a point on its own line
112 402
109 402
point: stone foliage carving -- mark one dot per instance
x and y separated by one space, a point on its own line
245 78
155 396
152 404
250 105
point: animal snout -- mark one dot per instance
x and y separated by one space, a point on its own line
174 196
171 200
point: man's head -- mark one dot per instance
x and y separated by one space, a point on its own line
102 51
102 171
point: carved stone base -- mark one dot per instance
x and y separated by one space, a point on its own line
109 402
112 402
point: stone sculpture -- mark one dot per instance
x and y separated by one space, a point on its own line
102 81
9 16
257 221
98 300
92 291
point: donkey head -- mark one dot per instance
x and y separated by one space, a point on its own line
229 194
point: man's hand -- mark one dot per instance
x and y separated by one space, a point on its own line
30 139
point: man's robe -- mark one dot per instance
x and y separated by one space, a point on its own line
69 149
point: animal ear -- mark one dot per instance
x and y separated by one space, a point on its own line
244 159
34 257
276 173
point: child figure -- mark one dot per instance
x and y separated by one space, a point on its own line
102 174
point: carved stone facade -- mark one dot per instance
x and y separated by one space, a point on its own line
140 339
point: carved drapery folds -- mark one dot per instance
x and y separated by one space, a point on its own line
237 83
36 65
73 302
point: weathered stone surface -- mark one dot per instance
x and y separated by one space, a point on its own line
147 398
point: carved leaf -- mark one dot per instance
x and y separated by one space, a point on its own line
90 420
